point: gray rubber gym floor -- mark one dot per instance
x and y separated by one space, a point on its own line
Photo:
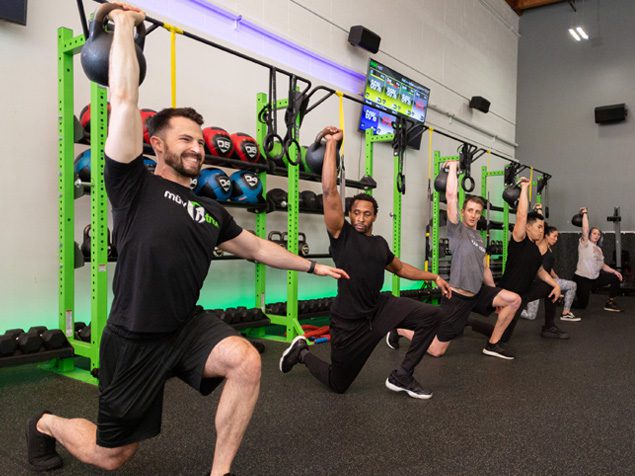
562 407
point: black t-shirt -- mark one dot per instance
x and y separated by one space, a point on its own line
523 261
165 235
548 261
364 258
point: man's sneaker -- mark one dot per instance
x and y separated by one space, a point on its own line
569 316
392 339
554 332
611 306
497 350
40 447
292 355
412 388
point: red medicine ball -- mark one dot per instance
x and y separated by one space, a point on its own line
84 118
145 115
218 141
245 147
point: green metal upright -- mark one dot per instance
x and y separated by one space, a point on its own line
68 46
261 218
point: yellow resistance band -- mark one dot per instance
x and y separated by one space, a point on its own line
531 181
173 31
340 95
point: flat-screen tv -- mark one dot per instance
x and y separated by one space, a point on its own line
393 93
13 11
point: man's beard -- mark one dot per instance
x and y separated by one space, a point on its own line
176 162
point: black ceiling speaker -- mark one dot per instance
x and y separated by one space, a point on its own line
13 11
480 103
610 114
364 38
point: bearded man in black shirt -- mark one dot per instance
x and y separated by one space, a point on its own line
360 315
165 236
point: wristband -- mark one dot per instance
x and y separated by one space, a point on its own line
311 269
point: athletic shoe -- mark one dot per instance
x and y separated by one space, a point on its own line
611 306
292 355
412 388
392 339
497 350
41 452
554 332
569 316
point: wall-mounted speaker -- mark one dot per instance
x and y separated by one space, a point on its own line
13 11
610 114
364 38
480 103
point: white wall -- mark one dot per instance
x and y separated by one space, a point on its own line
560 82
459 48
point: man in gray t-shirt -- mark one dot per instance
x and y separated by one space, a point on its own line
471 280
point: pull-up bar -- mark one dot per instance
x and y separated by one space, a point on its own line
292 76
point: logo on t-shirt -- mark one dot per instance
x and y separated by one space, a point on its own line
196 211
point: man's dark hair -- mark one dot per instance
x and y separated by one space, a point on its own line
366 197
534 216
550 229
475 199
161 119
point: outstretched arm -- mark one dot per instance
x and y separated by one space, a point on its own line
451 192
522 210
333 211
585 226
249 246
407 271
124 142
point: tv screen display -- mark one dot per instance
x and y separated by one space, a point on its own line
379 121
394 93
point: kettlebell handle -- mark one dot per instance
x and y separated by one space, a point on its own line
97 26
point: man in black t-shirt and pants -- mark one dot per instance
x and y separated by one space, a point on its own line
165 236
360 315
524 273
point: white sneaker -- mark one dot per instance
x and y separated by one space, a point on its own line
569 316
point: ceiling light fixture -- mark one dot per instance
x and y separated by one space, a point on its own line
574 34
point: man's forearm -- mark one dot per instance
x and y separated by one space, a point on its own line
329 169
488 278
124 66
276 256
415 274
546 277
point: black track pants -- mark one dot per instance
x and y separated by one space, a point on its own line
352 341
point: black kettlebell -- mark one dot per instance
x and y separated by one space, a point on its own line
442 180
314 158
511 194
309 200
276 237
576 220
96 51
303 246
85 247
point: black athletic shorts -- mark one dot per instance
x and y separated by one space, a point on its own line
456 310
133 372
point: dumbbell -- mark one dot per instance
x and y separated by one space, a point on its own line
228 315
241 314
309 200
9 342
303 246
78 326
84 333
278 198
319 199
31 341
51 339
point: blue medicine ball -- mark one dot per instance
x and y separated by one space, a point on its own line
214 183
81 165
246 187
149 163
